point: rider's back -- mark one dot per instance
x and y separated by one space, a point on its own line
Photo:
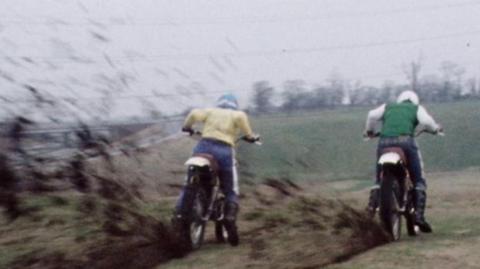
399 120
221 124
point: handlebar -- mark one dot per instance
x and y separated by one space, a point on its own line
255 140
252 140
440 132
367 137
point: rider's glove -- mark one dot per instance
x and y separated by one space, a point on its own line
252 138
439 129
188 130
368 133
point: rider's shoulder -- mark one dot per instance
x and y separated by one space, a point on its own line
229 111
240 114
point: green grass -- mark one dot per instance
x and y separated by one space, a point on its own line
52 226
457 226
328 145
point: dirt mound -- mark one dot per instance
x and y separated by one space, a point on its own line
294 229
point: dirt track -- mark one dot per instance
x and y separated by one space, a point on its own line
453 211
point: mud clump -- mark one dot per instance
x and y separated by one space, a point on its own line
144 244
365 233
8 192
111 228
297 230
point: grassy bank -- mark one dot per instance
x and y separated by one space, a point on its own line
328 144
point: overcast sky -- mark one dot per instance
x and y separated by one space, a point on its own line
75 48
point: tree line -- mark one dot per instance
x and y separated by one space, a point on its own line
446 86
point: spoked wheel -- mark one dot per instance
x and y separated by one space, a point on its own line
197 225
412 229
192 225
389 206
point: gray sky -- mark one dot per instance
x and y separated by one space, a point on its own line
181 47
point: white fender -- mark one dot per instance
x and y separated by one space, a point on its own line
390 157
198 161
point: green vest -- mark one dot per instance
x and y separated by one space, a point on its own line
399 120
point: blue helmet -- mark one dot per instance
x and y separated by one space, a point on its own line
228 101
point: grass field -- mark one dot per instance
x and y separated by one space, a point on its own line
328 145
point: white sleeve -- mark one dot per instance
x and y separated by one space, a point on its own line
426 120
373 117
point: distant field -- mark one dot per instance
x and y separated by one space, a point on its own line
328 145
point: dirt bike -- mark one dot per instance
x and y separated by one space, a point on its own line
203 201
396 191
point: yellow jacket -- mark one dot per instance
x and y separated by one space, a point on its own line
220 124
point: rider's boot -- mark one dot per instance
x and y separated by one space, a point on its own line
373 200
420 203
231 211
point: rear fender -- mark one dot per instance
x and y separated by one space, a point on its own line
199 171
390 158
198 161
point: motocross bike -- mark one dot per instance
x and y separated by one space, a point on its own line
396 198
203 201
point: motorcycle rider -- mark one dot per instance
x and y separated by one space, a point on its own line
221 126
399 121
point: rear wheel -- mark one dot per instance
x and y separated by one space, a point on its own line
389 205
412 229
191 226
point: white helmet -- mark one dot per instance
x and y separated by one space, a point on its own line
408 96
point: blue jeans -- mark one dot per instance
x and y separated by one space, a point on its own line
227 172
414 159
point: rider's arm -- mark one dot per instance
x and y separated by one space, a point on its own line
196 115
373 117
244 124
426 120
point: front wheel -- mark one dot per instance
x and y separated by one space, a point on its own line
389 213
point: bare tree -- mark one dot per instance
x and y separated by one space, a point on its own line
452 75
472 87
336 89
295 95
412 71
262 97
